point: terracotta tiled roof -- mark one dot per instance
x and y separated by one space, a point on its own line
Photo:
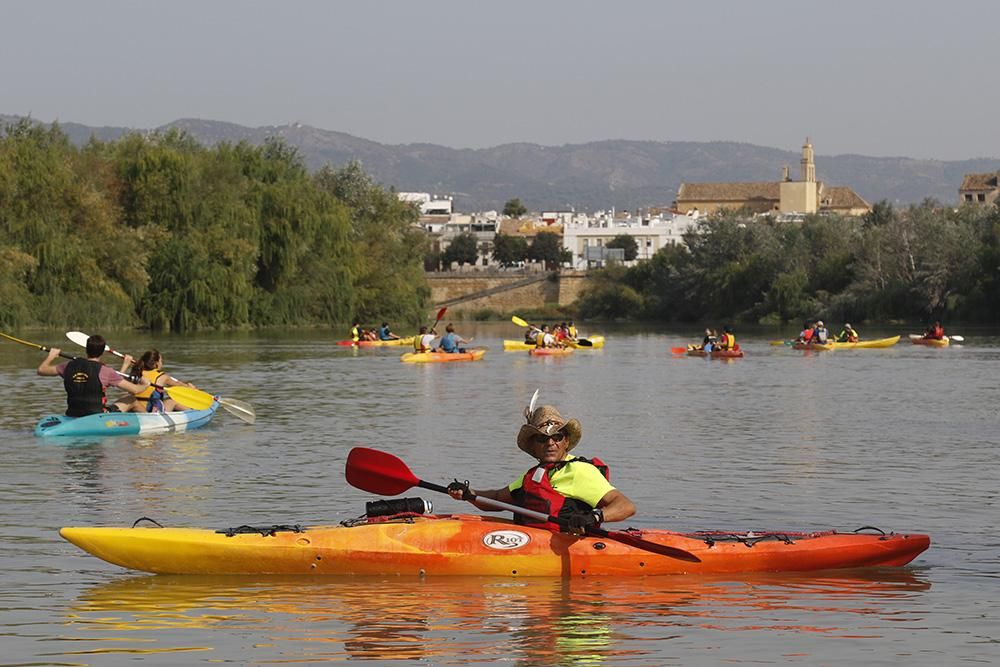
841 197
526 227
981 181
728 191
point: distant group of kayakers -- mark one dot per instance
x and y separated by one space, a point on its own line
450 343
713 341
816 332
556 335
359 333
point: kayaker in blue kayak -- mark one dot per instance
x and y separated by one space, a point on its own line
571 488
86 380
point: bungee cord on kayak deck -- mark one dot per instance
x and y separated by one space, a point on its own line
263 531
753 537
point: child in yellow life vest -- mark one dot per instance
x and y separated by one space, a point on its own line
153 398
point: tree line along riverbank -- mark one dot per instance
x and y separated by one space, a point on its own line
158 231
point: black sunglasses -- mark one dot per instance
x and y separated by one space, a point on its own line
541 438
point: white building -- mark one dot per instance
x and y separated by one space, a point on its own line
583 235
428 205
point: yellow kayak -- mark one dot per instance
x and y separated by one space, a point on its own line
597 342
876 343
439 357
377 343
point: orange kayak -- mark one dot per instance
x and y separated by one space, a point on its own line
932 342
415 544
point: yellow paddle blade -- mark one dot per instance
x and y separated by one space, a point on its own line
518 321
196 399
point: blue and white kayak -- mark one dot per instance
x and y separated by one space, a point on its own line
125 423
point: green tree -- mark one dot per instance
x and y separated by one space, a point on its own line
463 249
514 208
607 295
547 247
509 250
627 243
388 266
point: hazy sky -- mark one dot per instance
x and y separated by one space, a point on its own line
912 78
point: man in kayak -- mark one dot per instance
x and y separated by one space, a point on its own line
727 341
807 332
934 332
709 340
451 341
821 334
385 334
848 335
86 380
422 341
571 488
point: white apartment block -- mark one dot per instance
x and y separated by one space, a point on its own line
651 233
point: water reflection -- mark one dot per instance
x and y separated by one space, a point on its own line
524 621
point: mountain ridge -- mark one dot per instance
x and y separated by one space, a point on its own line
620 173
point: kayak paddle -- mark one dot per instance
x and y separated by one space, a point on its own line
61 353
679 350
439 316
195 398
382 473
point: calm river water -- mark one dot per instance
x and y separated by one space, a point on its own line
903 438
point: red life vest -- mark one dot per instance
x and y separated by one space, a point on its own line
536 493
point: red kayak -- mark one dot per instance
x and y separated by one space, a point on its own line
716 354
550 351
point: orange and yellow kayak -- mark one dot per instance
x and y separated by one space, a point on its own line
440 357
932 342
482 546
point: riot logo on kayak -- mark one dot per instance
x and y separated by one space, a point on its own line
505 540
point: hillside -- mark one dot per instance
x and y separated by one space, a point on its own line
623 174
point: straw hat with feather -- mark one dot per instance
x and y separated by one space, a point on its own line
546 420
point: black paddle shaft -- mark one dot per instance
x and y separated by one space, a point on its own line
593 531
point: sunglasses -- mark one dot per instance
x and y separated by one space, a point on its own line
541 438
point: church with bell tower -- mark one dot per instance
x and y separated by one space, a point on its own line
800 196
804 196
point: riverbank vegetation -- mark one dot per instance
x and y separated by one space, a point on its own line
158 231
920 263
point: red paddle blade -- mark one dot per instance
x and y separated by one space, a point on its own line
441 313
377 472
678 350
